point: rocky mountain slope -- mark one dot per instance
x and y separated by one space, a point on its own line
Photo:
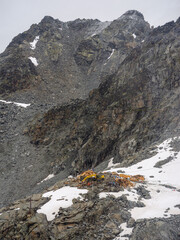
131 109
110 206
95 90
54 62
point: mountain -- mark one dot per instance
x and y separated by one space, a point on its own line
72 58
96 91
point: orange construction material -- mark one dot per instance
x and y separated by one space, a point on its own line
133 178
137 178
124 182
85 174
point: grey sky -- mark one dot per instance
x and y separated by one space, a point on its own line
17 16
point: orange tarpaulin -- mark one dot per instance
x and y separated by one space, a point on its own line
122 179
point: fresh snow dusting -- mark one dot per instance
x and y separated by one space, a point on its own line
33 44
60 198
134 35
24 105
47 178
34 61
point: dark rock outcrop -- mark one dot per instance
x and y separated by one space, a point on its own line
72 57
133 108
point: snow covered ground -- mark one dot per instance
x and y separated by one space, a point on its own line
163 199
161 174
60 198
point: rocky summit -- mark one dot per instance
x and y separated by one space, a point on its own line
81 95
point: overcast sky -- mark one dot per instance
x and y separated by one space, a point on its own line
17 16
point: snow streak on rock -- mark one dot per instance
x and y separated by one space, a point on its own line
34 61
47 178
24 105
33 44
111 54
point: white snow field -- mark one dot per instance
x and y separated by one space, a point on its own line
162 183
60 198
163 198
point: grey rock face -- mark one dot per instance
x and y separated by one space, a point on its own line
125 115
73 58
157 229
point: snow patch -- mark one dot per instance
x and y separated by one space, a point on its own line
162 198
131 195
16 209
167 174
34 61
47 178
111 54
111 164
60 198
33 44
24 105
70 177
126 231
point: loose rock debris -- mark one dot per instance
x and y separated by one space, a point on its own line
89 178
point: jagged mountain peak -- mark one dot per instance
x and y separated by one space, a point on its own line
86 44
131 19
48 19
133 14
